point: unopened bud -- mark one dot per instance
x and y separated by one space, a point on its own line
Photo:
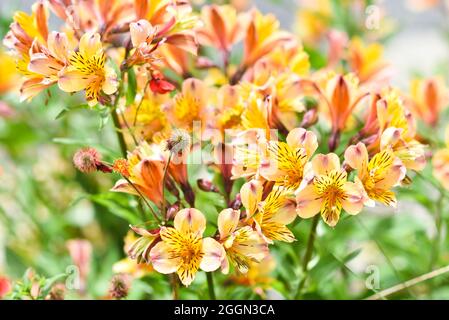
237 203
310 118
172 210
207 186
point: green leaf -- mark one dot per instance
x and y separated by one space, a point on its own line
109 201
132 87
64 111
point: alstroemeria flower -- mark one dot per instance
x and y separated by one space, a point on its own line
87 70
410 151
272 215
428 98
341 95
330 191
242 244
262 36
145 175
249 150
184 250
222 27
190 104
366 60
378 175
288 159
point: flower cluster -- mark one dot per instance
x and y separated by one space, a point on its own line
278 138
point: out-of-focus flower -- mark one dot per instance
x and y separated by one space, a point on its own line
341 96
147 118
222 27
258 275
5 286
422 5
242 244
81 253
377 175
8 76
103 17
338 42
190 105
119 287
184 250
88 71
428 98
329 192
263 35
287 159
365 60
272 215
313 19
145 176
397 131
440 163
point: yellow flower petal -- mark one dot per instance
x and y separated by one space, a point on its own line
301 138
357 158
214 254
90 44
228 220
308 202
322 164
190 220
251 195
73 81
161 259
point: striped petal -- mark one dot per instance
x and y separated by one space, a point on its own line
190 221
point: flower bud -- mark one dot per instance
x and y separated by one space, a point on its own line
207 186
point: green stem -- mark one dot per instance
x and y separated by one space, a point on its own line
307 255
210 285
119 133
436 243
163 209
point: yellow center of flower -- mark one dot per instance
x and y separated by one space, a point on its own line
93 68
187 109
330 188
290 161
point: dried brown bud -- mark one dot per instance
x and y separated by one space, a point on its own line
120 284
87 159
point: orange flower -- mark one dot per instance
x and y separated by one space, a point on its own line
145 175
222 27
341 96
263 35
428 98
